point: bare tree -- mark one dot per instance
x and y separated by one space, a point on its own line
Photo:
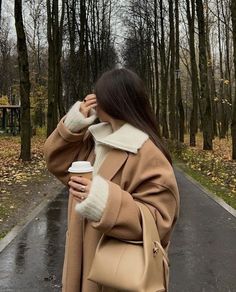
24 83
0 13
7 61
205 103
72 92
82 51
54 35
194 71
172 100
221 124
35 37
179 102
211 71
233 125
91 47
161 40
156 65
164 73
37 51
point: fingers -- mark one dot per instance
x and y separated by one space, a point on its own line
79 187
90 97
79 195
92 106
89 107
90 102
81 180
87 103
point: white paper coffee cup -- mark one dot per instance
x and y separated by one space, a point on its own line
81 168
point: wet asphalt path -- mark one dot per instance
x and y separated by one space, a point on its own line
33 261
203 249
202 254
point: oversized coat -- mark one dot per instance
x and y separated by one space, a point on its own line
146 177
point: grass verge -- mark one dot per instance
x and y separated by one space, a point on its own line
213 169
218 190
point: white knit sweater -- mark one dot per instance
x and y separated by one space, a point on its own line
127 138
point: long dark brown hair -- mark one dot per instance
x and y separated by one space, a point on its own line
122 95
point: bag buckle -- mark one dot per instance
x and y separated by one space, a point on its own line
155 248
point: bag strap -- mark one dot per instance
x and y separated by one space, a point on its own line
148 220
163 252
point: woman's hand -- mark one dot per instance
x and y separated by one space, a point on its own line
79 187
89 102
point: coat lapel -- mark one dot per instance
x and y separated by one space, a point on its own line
113 162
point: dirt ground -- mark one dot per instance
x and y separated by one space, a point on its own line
18 200
23 185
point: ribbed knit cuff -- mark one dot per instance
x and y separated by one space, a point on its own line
93 206
76 121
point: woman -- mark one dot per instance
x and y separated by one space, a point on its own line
130 164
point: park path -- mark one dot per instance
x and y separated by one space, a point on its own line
203 249
202 254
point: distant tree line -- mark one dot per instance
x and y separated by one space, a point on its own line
183 49
64 46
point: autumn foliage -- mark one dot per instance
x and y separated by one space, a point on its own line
217 165
19 181
12 169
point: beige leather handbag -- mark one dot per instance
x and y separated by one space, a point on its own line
132 266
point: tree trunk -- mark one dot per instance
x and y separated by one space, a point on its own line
233 125
194 72
172 101
178 80
54 35
0 13
96 41
58 41
82 59
205 103
164 76
89 81
227 98
220 107
72 72
156 67
211 73
24 83
52 113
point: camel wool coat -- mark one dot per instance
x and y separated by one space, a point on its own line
145 176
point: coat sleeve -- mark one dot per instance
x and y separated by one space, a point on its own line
63 147
155 187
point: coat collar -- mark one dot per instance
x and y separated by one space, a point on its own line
114 161
127 137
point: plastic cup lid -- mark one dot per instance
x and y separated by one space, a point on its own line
80 167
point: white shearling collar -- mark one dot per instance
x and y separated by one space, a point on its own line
127 137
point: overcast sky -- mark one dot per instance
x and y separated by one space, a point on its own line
118 27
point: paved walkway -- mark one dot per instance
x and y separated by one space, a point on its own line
203 250
202 254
